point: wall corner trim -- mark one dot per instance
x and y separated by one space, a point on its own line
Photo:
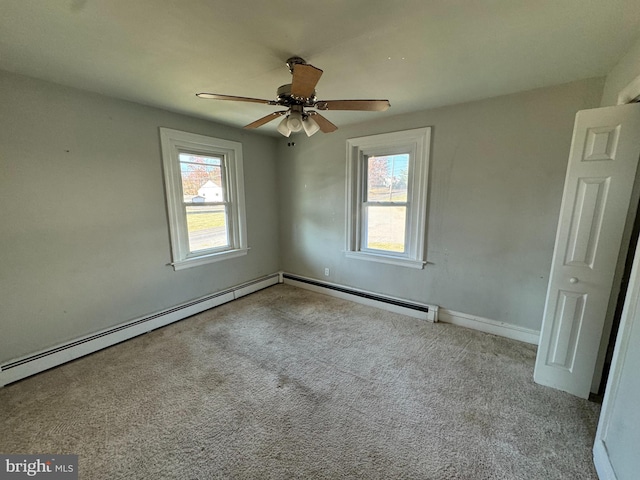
26 366
630 93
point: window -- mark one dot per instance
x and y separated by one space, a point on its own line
205 198
387 178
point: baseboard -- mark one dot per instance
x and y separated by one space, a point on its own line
601 461
38 362
490 326
392 304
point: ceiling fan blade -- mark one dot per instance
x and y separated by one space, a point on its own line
325 125
215 96
266 119
367 105
305 79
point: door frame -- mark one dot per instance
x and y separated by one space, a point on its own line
628 94
630 315
599 184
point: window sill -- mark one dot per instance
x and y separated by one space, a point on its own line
401 262
208 258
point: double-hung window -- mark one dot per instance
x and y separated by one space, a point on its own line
387 178
205 197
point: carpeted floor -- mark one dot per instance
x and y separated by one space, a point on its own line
286 383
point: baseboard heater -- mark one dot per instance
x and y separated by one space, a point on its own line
52 357
432 313
416 310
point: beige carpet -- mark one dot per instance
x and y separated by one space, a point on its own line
287 383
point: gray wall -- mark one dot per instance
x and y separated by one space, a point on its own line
84 242
497 174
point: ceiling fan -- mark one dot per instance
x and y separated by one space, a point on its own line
301 94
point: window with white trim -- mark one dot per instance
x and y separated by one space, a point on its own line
205 198
387 181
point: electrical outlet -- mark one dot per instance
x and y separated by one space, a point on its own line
326 271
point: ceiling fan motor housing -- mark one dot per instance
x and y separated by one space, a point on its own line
286 99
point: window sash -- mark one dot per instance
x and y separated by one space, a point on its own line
223 170
366 203
225 202
228 230
367 158
364 236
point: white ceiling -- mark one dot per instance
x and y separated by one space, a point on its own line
416 53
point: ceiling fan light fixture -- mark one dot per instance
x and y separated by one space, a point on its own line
310 126
295 121
283 127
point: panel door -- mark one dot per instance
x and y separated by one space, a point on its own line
600 176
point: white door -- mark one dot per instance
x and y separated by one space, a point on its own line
602 167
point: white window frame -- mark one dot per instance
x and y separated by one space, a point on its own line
416 143
175 142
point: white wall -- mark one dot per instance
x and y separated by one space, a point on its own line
497 173
84 242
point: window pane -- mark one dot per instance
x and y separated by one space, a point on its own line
207 227
201 178
387 178
386 228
